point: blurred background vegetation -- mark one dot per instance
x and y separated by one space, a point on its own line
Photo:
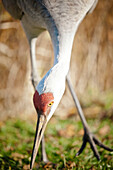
91 64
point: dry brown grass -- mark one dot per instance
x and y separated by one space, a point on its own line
91 64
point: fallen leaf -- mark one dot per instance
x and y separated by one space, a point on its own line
81 132
62 132
92 112
17 155
72 164
68 132
70 129
92 168
26 167
72 112
48 165
104 130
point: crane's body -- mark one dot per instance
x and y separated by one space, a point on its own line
61 18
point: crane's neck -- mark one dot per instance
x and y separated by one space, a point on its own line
62 44
62 51
54 80
62 39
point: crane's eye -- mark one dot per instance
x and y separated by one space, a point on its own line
50 104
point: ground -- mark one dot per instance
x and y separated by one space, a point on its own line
63 139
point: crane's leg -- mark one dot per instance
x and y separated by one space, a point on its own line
35 80
34 74
88 136
44 155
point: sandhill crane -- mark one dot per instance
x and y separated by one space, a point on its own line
61 18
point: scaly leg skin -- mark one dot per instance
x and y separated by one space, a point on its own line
88 136
34 80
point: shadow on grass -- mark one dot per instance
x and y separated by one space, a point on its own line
9 163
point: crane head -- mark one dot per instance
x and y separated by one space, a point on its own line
43 104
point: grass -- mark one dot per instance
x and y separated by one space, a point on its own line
63 139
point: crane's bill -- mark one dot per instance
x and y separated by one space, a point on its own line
41 125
